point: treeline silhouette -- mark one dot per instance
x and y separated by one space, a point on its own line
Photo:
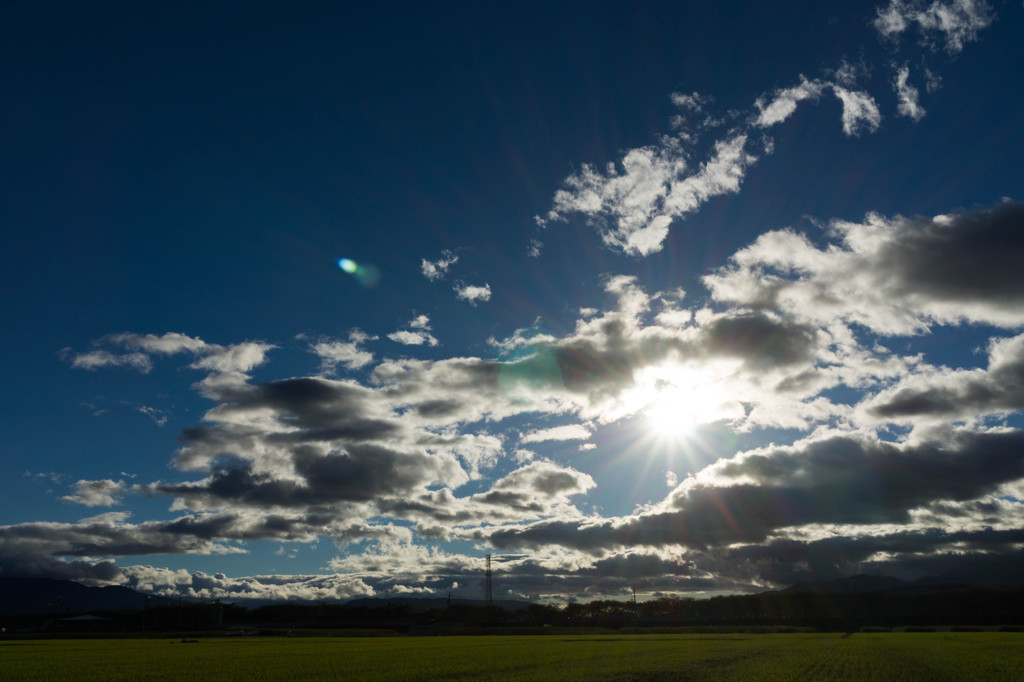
824 611
821 610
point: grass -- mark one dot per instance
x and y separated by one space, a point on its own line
863 656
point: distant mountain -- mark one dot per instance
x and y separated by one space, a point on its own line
979 574
47 595
972 576
423 603
854 583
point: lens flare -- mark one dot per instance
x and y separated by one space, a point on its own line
367 275
536 371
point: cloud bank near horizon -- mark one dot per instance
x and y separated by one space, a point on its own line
403 452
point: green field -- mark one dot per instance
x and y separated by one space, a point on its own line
862 656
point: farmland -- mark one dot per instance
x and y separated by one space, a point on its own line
834 656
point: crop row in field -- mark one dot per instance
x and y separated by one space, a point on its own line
871 656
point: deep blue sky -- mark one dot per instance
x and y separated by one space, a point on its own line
200 170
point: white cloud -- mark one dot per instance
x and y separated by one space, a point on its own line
693 102
413 338
418 333
522 456
721 174
860 113
693 112
937 395
784 102
545 479
96 359
170 343
158 416
565 432
848 73
533 250
236 358
523 338
653 188
228 363
105 493
438 269
894 276
200 585
473 293
349 354
907 95
633 204
956 21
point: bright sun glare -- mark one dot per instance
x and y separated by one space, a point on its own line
676 399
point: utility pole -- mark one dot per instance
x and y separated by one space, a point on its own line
488 594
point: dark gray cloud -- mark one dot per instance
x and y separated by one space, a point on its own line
353 473
895 276
851 479
966 257
105 535
840 479
315 404
537 577
535 487
953 394
69 551
909 554
761 341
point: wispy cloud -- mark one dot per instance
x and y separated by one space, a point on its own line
633 203
907 94
96 359
158 416
633 208
956 22
438 269
783 103
234 359
565 432
860 113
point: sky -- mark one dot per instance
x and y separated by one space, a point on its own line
320 302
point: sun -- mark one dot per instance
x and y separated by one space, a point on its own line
674 411
675 399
